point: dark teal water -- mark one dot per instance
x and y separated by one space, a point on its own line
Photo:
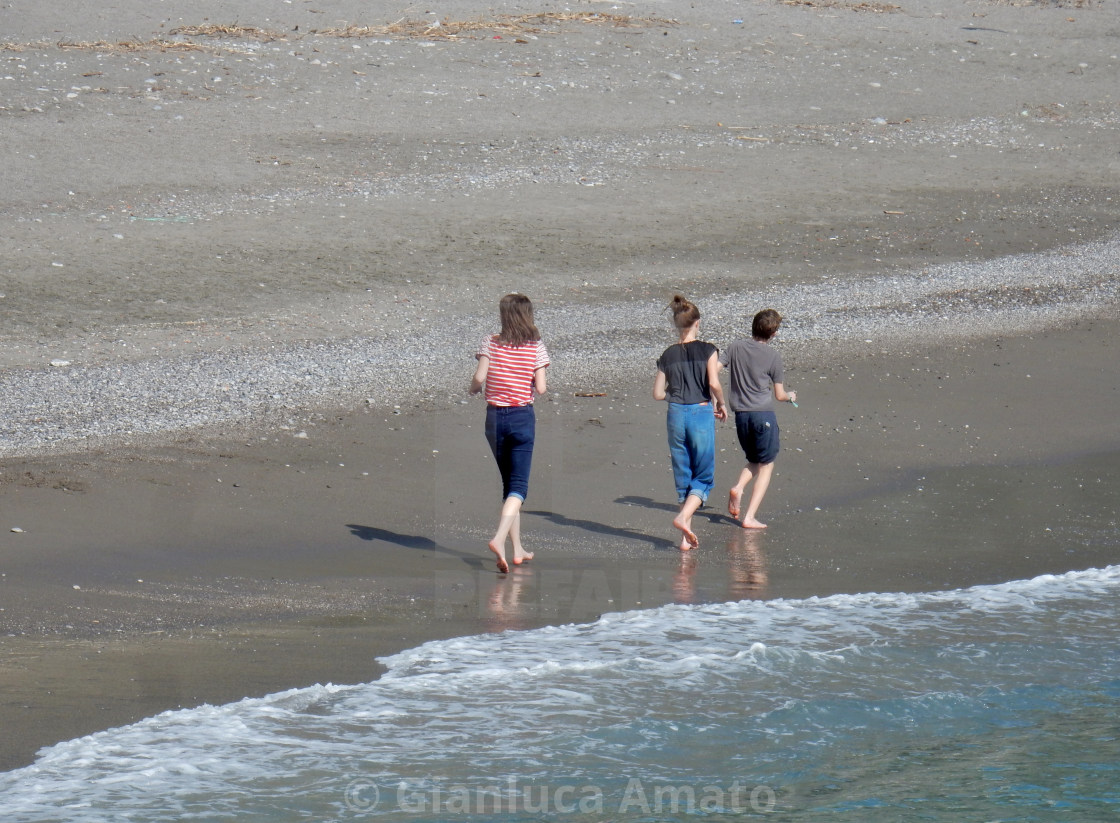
991 703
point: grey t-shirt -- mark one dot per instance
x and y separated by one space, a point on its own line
686 372
754 368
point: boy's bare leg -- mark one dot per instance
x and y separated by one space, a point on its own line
511 515
735 498
762 474
683 521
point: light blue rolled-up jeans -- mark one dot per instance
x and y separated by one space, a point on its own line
692 446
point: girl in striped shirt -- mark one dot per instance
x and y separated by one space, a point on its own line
511 368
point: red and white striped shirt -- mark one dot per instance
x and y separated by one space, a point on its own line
509 377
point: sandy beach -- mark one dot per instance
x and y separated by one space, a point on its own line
247 257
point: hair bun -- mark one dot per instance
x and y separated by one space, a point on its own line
685 312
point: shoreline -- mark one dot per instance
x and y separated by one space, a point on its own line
263 566
259 261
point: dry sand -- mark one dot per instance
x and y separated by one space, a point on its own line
193 205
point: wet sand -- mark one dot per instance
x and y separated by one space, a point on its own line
237 557
203 573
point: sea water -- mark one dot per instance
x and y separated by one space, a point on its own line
997 702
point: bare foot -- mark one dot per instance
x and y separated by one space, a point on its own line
751 523
503 566
524 557
685 546
690 540
733 502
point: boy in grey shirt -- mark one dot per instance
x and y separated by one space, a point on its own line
757 380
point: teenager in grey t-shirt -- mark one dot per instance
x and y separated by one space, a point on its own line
757 381
754 367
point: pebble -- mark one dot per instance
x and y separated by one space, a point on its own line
276 386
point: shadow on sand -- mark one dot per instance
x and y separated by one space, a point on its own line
600 528
413 541
706 511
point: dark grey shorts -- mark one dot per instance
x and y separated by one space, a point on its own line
758 435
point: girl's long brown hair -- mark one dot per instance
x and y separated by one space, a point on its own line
516 312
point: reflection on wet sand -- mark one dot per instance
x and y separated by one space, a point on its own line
684 581
505 607
528 594
746 569
746 566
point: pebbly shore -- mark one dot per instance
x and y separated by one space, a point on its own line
70 406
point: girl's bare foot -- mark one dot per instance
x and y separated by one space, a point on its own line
690 540
733 502
523 557
751 523
503 566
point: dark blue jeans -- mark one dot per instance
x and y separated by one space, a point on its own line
511 431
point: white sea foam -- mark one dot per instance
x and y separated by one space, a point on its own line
783 683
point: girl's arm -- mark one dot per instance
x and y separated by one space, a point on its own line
478 382
659 383
715 386
782 396
540 381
